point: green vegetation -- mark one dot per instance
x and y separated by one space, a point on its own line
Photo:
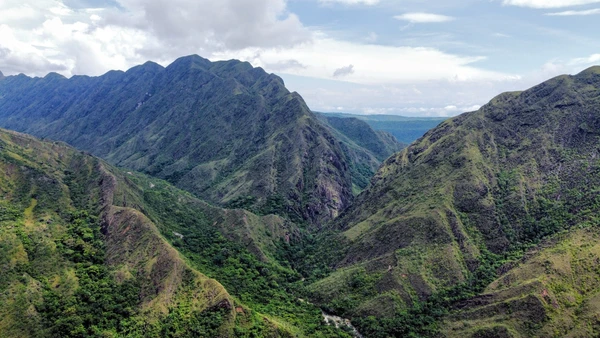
83 254
265 287
484 227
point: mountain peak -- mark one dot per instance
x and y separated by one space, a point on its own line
588 74
1 76
190 61
148 67
53 76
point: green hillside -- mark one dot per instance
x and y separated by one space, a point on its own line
225 131
474 193
553 292
87 250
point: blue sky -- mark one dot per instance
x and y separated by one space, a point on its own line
406 57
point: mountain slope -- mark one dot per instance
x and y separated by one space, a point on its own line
556 288
88 250
225 131
54 283
443 213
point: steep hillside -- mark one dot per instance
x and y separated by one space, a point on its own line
88 250
73 264
225 131
365 147
444 213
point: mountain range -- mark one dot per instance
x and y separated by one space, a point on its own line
405 129
486 226
225 131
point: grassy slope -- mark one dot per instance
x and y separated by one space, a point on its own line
553 292
481 185
59 269
52 260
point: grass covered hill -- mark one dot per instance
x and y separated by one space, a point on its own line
87 250
444 215
225 131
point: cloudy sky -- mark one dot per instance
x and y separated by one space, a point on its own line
406 57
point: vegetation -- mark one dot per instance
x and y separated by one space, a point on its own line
364 147
75 266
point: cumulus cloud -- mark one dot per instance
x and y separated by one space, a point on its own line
549 3
576 13
209 24
344 71
423 17
372 64
441 97
53 36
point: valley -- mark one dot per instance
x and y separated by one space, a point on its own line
217 204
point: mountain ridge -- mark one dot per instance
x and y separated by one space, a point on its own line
226 131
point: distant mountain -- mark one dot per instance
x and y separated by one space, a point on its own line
89 250
225 131
405 129
459 206
366 148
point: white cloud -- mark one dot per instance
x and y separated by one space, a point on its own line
423 17
372 37
210 25
351 2
372 63
576 13
586 61
549 3
55 37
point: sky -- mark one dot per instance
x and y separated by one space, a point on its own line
402 57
